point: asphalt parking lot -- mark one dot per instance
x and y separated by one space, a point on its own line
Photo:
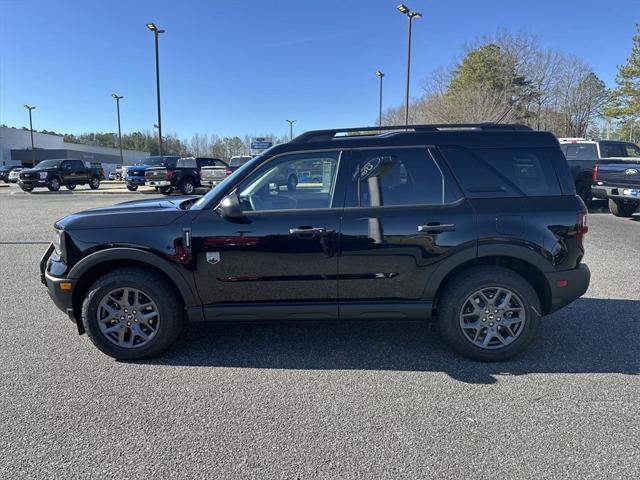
317 399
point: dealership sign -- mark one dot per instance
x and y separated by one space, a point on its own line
260 144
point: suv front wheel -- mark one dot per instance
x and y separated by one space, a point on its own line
489 313
132 313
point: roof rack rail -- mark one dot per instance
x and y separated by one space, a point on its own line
324 135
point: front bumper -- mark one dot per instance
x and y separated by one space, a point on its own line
32 182
158 183
59 289
576 283
631 193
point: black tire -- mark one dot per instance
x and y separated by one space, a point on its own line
157 289
292 183
622 209
132 188
54 184
187 186
166 190
27 189
94 183
71 187
584 192
462 286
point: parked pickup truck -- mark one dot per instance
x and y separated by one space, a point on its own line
179 174
55 173
134 175
583 154
618 180
212 175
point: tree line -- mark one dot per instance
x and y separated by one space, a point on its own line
509 78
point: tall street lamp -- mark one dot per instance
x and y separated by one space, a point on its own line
381 75
291 122
157 31
118 98
33 150
410 15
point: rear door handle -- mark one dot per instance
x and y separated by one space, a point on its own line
307 231
436 227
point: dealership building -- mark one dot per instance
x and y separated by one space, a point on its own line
15 149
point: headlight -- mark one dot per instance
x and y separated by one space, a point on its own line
58 243
43 175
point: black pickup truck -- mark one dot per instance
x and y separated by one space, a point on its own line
179 174
618 180
55 173
582 156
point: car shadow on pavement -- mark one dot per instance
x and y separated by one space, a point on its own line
591 335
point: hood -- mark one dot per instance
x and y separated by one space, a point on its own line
138 213
137 169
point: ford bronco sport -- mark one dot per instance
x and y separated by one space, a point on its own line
476 225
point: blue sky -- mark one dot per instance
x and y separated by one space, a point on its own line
244 66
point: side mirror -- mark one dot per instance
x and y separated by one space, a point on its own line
230 207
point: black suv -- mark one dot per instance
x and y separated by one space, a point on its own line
181 174
477 225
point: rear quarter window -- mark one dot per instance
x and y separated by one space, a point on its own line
504 172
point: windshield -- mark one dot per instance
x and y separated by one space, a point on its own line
240 173
47 164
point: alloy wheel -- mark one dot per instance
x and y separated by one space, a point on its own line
128 317
492 318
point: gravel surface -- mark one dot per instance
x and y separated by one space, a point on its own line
317 399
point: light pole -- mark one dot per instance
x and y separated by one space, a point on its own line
33 150
291 122
118 98
157 31
381 75
410 15
155 127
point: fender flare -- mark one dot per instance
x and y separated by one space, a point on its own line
185 287
518 252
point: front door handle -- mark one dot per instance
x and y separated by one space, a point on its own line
436 227
307 231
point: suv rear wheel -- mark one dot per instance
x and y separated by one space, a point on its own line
622 209
489 313
53 184
132 188
132 313
166 190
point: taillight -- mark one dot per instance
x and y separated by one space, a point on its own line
581 229
228 171
596 169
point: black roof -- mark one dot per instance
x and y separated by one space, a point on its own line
474 135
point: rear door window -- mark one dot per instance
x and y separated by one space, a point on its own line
400 176
504 172
609 150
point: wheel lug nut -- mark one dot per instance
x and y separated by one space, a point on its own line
128 324
484 319
498 319
491 324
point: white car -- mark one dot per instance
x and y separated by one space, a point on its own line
14 175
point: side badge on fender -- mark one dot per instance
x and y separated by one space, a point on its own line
213 257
